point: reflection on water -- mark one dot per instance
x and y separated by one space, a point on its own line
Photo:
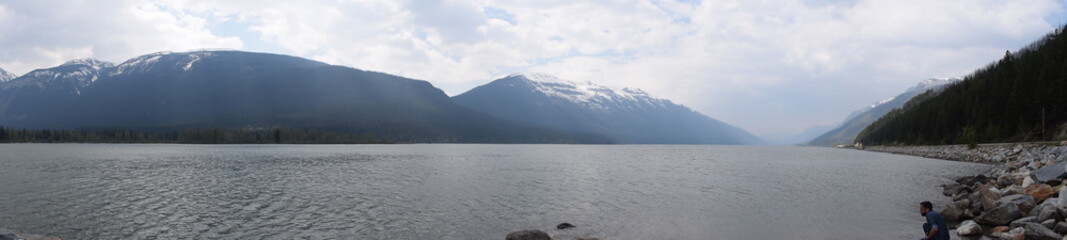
102 191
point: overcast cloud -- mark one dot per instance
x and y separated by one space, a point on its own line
770 67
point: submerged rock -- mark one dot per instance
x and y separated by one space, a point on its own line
8 234
564 226
968 228
528 235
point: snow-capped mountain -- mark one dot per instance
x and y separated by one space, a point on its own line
5 76
623 114
846 131
232 89
71 76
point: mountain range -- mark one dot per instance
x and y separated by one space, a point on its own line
244 90
845 132
623 115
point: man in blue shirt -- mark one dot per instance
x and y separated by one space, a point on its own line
934 227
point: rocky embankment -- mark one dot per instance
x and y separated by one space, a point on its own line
983 153
1021 197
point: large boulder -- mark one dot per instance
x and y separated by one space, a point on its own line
950 212
1024 202
1049 173
999 215
1038 231
987 197
1040 192
968 228
1045 212
528 235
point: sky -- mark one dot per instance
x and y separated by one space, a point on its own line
773 68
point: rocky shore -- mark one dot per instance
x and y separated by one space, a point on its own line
1021 197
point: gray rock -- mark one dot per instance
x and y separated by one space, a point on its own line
1023 201
528 235
950 212
7 235
1012 235
1012 190
1050 224
1063 197
1061 228
968 228
1000 215
1039 232
1018 222
962 204
987 197
1051 172
952 189
1046 212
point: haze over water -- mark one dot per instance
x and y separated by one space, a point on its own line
103 191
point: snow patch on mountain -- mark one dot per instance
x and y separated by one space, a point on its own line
6 76
588 93
184 61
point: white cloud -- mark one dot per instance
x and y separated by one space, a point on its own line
46 33
771 67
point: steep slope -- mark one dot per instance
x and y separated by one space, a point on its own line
1021 97
232 89
846 132
5 76
624 115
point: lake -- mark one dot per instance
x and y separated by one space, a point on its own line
446 191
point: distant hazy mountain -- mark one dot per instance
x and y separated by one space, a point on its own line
846 132
5 76
801 138
232 89
624 115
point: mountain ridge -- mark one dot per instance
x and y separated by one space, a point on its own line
625 115
846 131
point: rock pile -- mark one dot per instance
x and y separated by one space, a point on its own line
1022 197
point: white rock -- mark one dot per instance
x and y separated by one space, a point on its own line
1028 181
968 228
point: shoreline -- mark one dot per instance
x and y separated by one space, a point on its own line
1022 195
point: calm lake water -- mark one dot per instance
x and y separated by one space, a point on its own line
105 191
